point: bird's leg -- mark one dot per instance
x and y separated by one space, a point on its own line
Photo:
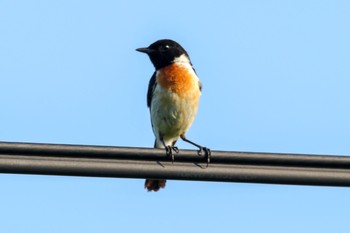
169 150
206 150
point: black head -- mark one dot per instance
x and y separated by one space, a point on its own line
165 52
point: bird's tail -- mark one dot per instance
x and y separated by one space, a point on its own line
155 185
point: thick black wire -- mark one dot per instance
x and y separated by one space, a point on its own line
130 162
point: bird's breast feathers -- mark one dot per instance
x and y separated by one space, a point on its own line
175 99
179 78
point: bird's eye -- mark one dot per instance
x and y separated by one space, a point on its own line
165 47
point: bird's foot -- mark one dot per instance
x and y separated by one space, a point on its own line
207 153
170 152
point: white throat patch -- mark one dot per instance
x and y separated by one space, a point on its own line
182 59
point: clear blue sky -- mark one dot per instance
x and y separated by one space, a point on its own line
276 78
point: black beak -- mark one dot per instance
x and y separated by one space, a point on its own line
145 50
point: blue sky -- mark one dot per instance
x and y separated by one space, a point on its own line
276 78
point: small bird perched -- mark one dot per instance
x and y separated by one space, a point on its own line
173 97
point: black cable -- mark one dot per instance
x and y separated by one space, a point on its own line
130 162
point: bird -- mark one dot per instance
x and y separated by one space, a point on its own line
172 98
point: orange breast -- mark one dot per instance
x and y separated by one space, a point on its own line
178 79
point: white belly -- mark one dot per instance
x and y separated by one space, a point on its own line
170 115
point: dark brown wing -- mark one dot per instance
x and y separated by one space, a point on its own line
151 86
199 82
